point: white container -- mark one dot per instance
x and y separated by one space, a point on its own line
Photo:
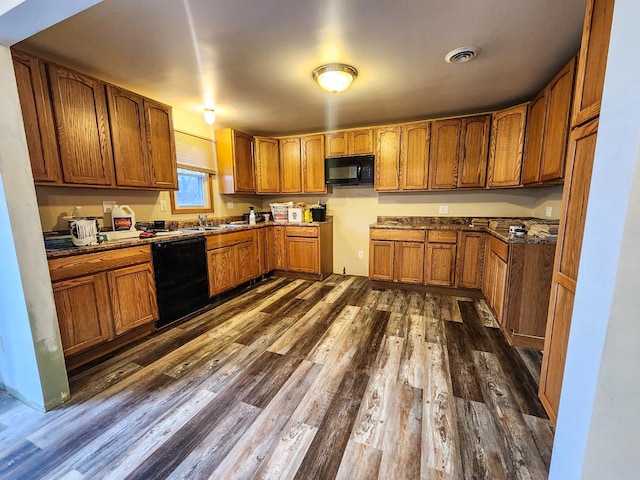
123 218
279 211
295 215
83 232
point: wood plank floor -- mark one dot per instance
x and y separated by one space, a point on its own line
298 380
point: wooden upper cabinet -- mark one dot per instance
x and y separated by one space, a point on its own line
592 61
349 142
129 138
235 161
161 144
267 165
290 165
444 155
559 96
387 158
80 113
312 151
31 80
336 144
474 150
534 139
505 151
414 161
360 141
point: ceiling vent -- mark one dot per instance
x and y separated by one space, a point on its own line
462 54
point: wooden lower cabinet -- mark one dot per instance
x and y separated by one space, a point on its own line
221 267
396 255
517 281
279 260
266 250
470 259
440 264
84 312
133 297
232 259
101 298
306 249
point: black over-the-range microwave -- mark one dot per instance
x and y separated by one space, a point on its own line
351 170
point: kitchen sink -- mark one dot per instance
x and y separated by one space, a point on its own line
214 227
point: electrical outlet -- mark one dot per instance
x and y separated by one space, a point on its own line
360 254
229 205
163 205
548 211
107 206
443 209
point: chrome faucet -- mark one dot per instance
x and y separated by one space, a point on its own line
200 220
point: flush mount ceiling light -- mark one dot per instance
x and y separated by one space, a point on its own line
209 115
335 77
462 54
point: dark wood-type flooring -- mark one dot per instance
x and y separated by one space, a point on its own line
302 380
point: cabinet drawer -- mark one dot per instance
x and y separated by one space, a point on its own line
397 235
442 236
310 232
89 263
500 248
227 239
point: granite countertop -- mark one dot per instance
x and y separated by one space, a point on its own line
169 236
466 224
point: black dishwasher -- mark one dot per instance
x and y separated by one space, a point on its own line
181 278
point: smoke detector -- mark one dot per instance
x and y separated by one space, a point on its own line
462 54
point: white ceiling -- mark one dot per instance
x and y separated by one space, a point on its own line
252 59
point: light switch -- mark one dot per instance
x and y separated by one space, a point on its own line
548 211
229 205
163 205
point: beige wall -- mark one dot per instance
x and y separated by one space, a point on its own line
56 202
355 208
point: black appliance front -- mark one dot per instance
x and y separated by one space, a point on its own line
351 170
181 278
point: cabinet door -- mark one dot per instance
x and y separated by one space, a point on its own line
441 264
443 158
290 165
414 168
360 142
474 150
129 138
161 144
469 262
592 61
557 124
267 165
84 313
381 260
507 142
303 254
35 103
409 262
532 158
243 170
280 260
582 144
489 274
387 158
500 289
266 250
312 150
246 262
133 297
336 144
222 270
80 113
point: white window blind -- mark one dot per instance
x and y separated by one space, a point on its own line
195 152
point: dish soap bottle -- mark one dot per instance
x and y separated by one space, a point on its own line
252 216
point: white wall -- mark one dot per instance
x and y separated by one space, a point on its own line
29 322
598 430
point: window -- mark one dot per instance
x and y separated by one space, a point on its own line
195 157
